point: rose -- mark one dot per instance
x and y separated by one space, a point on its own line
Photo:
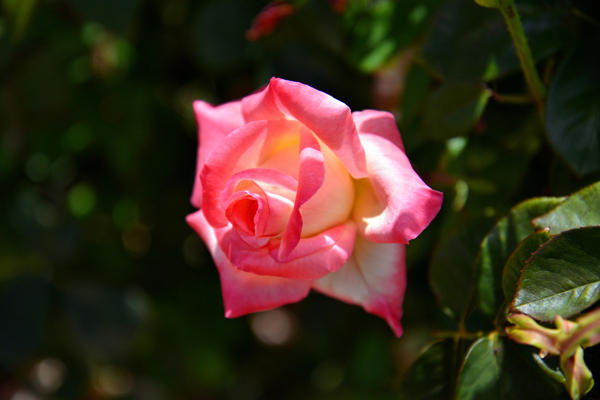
296 192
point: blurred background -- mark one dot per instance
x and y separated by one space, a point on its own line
106 293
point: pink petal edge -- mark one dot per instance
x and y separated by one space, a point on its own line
374 278
312 176
381 123
242 149
393 205
329 119
313 258
243 292
214 123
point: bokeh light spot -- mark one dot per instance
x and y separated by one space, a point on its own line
81 199
274 328
327 376
136 239
24 394
418 14
78 137
48 375
111 381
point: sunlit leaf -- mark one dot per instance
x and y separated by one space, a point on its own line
498 246
499 369
379 29
562 277
580 209
516 262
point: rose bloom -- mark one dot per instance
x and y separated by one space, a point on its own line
296 192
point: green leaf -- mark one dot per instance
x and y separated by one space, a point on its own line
379 29
516 262
454 109
580 209
562 277
499 244
499 369
451 272
573 111
470 42
430 376
480 375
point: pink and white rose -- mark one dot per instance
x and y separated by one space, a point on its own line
295 192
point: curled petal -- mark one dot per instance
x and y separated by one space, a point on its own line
258 215
336 195
243 208
244 148
312 176
313 257
381 123
329 119
243 292
259 175
375 278
393 205
214 123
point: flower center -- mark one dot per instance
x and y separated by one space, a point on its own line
243 213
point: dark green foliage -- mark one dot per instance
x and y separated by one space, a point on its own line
562 277
497 247
99 271
496 368
573 110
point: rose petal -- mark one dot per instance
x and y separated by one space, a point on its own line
214 123
336 195
393 205
244 148
375 278
258 223
328 118
243 292
259 175
311 259
381 123
312 176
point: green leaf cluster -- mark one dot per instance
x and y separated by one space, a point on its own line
542 259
